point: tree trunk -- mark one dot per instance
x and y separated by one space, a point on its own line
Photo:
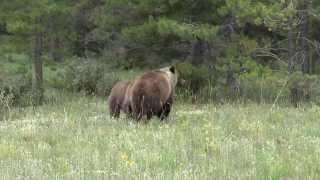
56 52
291 51
197 51
37 65
233 85
304 31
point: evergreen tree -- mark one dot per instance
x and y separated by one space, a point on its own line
29 21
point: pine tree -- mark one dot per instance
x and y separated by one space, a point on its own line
28 22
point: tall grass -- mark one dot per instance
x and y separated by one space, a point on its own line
73 138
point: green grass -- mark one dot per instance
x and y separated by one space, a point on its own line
73 138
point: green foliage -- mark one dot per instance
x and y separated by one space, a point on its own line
255 69
274 14
6 101
195 77
15 89
105 84
146 33
264 88
187 31
303 88
89 76
245 38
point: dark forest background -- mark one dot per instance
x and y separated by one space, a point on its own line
234 50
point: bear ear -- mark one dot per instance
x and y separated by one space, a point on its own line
172 69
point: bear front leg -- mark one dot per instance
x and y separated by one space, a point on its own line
164 113
166 108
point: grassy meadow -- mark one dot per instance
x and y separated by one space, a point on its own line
72 137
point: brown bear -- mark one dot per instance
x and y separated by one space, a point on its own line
118 99
152 93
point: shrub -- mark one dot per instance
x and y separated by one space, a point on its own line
15 89
89 76
303 88
195 77
255 82
59 81
264 88
6 101
106 83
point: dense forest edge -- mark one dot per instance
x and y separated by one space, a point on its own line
264 51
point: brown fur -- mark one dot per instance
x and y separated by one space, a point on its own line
119 99
152 95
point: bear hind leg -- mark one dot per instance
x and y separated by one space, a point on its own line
129 112
115 111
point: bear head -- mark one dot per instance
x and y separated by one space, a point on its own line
172 74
